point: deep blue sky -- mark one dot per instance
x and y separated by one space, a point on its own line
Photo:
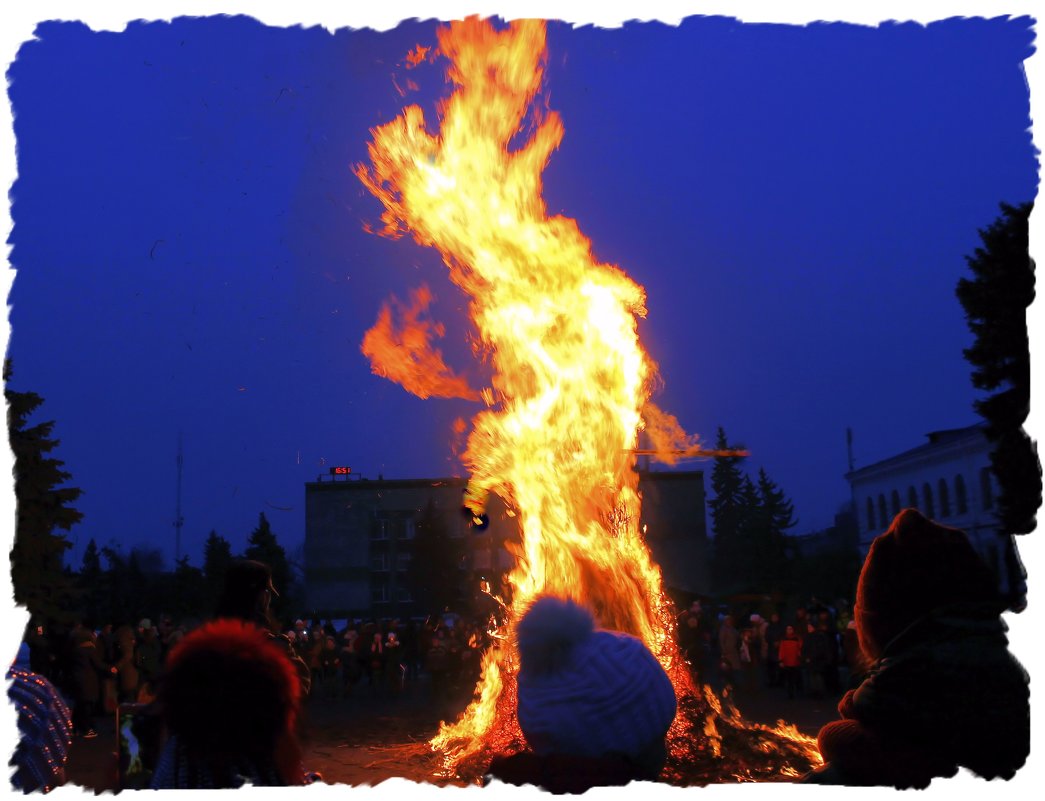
190 253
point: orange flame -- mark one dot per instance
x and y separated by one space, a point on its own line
571 382
404 354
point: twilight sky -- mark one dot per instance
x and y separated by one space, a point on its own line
190 252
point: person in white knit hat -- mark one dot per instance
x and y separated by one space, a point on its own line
594 705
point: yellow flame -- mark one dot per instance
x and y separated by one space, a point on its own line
570 379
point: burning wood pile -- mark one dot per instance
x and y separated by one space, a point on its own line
568 396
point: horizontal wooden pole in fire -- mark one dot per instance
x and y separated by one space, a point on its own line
694 453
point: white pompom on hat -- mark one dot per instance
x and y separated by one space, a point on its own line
588 692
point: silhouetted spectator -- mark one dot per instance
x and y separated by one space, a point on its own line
789 656
410 640
816 656
148 658
394 668
729 650
943 691
437 662
88 670
774 634
127 674
247 595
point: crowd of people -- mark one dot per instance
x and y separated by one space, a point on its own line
385 656
813 652
97 669
593 705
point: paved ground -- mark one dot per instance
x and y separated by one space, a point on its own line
372 736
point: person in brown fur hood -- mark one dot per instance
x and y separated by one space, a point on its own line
229 699
943 690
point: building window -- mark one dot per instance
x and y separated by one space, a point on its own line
409 529
896 503
927 498
379 530
912 498
378 593
883 513
403 595
945 498
960 502
402 561
379 562
986 488
870 514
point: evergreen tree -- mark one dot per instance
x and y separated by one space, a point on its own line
188 594
727 515
775 514
995 300
90 583
43 505
263 547
91 567
120 606
217 553
778 512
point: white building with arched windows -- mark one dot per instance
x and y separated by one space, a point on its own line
947 479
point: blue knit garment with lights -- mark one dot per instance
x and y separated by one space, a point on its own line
45 728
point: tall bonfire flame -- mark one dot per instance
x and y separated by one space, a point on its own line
570 387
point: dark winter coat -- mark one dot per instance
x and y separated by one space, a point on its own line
729 646
816 649
87 667
774 634
126 669
945 693
149 656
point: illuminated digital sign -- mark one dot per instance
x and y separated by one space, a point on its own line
340 471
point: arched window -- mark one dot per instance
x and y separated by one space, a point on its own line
883 513
986 488
912 498
960 502
929 509
945 498
870 515
896 503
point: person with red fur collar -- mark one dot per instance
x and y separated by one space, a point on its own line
229 699
943 690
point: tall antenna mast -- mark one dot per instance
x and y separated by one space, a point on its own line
178 519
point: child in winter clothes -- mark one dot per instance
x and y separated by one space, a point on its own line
789 656
594 705
943 690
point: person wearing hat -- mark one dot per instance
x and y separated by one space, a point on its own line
247 595
943 690
594 705
229 702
